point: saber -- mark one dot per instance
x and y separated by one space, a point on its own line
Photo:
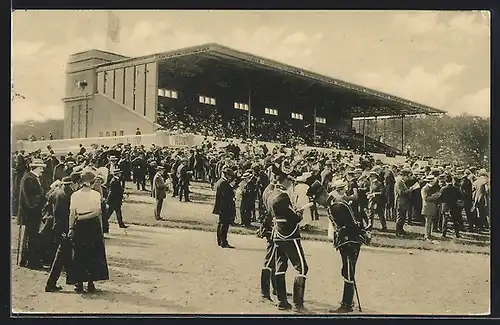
357 295
18 244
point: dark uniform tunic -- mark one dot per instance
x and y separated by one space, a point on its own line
347 239
286 233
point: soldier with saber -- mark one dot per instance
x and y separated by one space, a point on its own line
347 234
286 241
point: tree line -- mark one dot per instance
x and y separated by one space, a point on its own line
462 139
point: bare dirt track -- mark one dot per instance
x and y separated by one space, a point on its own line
138 209
161 270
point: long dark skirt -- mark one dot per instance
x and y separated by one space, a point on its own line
88 262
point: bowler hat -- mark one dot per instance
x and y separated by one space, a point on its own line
229 172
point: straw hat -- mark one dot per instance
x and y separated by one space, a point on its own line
339 183
37 163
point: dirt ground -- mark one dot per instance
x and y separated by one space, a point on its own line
171 271
138 209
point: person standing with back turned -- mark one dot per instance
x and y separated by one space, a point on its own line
224 206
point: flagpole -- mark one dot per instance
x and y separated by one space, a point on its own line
314 125
108 16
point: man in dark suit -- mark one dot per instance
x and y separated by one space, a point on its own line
60 201
402 200
31 202
449 196
139 170
20 169
173 174
159 190
183 174
114 201
466 194
124 166
224 206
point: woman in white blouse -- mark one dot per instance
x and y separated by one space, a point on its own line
88 263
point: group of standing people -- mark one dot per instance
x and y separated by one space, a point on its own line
353 193
64 226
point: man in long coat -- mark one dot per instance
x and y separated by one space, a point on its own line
224 206
31 202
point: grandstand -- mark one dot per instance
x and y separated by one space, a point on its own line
213 90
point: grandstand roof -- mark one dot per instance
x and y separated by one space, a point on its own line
226 65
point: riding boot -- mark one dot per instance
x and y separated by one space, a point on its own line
273 283
299 286
347 298
281 292
265 282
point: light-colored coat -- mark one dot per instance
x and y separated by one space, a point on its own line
480 194
429 204
401 195
159 187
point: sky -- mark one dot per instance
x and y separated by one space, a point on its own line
440 59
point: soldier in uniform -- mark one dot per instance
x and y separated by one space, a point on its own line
347 233
286 237
267 275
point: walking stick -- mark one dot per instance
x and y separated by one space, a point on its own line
18 244
357 295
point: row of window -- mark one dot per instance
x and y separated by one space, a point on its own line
207 100
168 93
241 106
112 134
271 111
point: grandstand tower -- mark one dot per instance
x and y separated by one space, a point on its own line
108 94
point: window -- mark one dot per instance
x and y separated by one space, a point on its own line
297 116
241 106
101 134
107 134
121 132
207 100
168 93
271 111
321 120
114 133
